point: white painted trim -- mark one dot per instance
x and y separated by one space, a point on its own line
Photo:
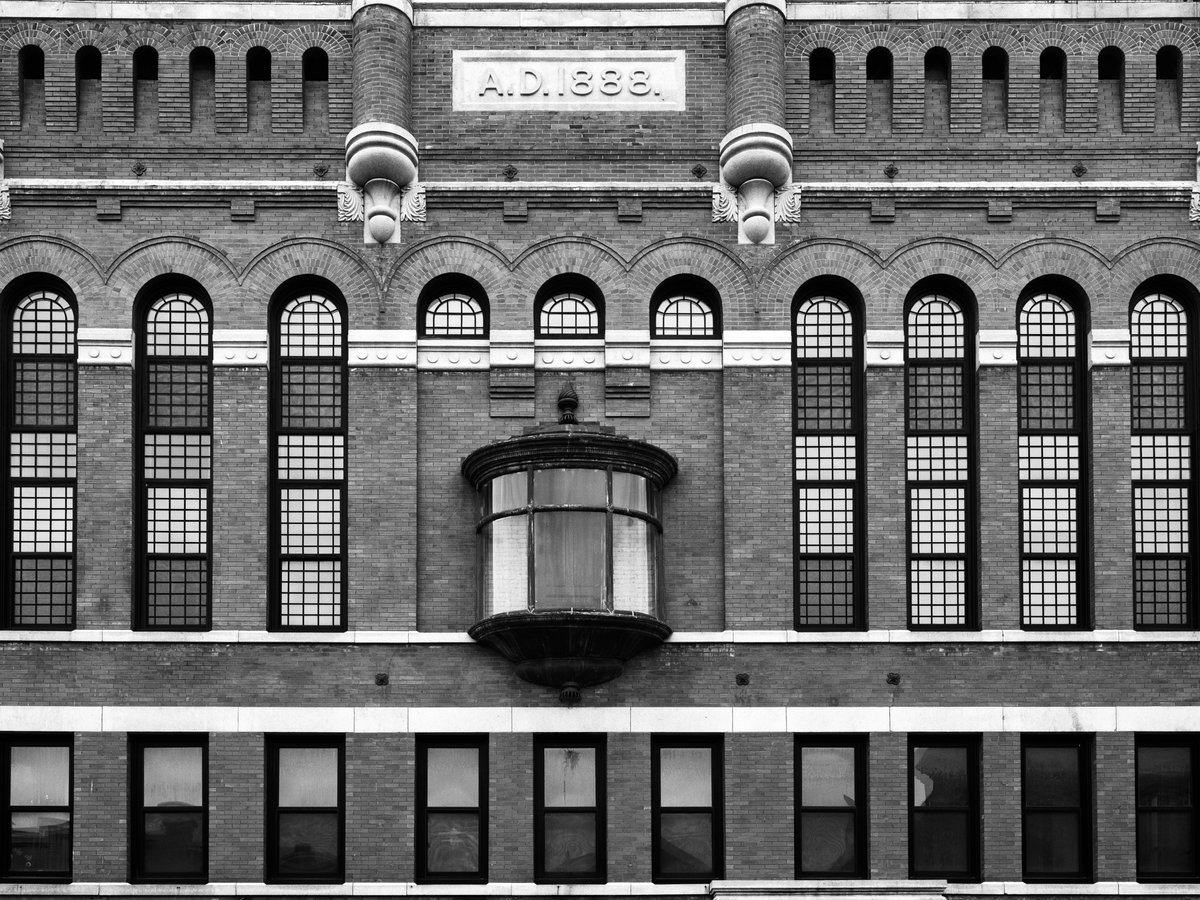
610 719
678 353
757 348
884 347
405 6
569 354
565 14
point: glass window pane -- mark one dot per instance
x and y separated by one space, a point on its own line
630 492
685 776
452 842
1166 843
827 842
569 560
173 776
453 776
570 487
635 543
41 843
308 776
940 842
685 844
173 843
40 776
506 565
1052 843
1051 776
569 776
308 844
1164 776
570 842
827 776
940 777
509 492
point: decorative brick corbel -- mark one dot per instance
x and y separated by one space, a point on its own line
381 158
756 162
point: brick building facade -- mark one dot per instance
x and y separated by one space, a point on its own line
867 568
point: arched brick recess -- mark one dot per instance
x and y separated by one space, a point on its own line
952 37
147 34
1053 34
211 36
798 263
76 36
712 262
440 256
1080 262
314 256
1161 256
62 259
976 40
1154 37
176 254
332 41
969 263
1096 38
35 33
259 34
583 256
834 37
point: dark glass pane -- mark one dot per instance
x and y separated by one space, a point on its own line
1159 401
1160 591
174 844
1164 776
939 842
310 396
569 560
826 592
1052 843
1046 397
42 591
308 844
41 843
1166 843
452 842
176 592
940 777
935 398
685 844
570 842
177 395
827 842
824 398
1051 776
43 393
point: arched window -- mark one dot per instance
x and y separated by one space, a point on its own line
145 88
31 73
879 90
569 306
940 448
173 458
308 460
37 536
937 90
258 89
1168 85
1052 72
995 89
88 68
203 68
1052 461
821 89
685 307
1163 435
453 306
314 67
1110 91
830 527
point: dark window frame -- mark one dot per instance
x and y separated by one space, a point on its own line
138 743
154 291
7 809
1190 743
541 743
687 287
274 743
716 744
288 292
845 294
423 874
1084 747
449 285
972 743
578 286
861 809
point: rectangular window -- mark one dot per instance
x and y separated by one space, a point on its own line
568 797
687 823
1166 808
944 807
37 800
1056 808
831 807
168 809
452 809
306 809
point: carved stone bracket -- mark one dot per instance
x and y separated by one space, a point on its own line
725 203
350 203
787 204
5 203
412 203
1194 206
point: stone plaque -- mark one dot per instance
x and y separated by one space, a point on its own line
580 80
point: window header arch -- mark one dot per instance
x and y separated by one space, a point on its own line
685 306
569 306
453 305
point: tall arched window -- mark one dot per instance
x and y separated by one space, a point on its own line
830 526
1163 434
37 552
1052 72
995 89
258 89
685 306
145 88
308 460
879 90
937 90
88 70
314 67
1110 89
1052 461
453 306
31 73
940 449
1168 87
173 458
822 67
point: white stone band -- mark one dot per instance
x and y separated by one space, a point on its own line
405 6
732 6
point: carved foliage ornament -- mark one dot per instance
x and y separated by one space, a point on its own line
726 203
1194 207
350 203
5 203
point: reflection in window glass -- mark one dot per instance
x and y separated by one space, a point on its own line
305 814
687 807
830 820
1056 826
452 823
39 811
569 801
169 828
1166 810
944 817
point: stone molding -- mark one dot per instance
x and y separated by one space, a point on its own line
405 6
732 6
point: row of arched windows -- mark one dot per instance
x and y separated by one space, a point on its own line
941 449
89 77
1052 72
